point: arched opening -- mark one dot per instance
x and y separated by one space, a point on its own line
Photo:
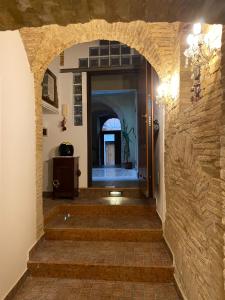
107 78
111 142
112 124
53 40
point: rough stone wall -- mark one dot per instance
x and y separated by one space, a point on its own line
222 143
19 13
193 226
44 43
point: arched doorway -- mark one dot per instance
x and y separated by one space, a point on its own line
50 41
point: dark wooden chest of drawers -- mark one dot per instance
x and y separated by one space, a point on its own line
65 177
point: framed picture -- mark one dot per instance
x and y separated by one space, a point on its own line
49 89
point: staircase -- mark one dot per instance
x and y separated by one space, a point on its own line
99 251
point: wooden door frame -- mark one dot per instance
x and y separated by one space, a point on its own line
89 116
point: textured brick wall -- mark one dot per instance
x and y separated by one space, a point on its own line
222 143
193 225
19 13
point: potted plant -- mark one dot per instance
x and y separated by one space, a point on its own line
126 135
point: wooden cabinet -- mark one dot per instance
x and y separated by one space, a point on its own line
65 176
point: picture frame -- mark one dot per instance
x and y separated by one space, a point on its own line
49 89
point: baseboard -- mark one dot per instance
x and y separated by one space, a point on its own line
179 289
47 194
19 283
176 281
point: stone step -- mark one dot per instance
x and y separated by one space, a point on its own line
104 228
100 210
99 192
97 210
124 261
103 234
58 288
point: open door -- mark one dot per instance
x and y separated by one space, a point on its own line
145 129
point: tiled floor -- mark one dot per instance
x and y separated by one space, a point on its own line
74 289
104 253
113 174
113 222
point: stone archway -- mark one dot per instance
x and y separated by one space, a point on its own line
45 43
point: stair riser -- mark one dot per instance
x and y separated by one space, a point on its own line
104 235
117 273
95 193
108 210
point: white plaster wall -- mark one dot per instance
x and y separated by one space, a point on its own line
76 135
17 161
72 55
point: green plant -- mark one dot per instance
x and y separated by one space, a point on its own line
126 135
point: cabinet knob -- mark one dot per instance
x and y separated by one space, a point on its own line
56 183
78 172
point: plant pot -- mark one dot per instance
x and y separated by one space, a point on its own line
128 165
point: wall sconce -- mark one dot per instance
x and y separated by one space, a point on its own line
168 91
65 115
202 48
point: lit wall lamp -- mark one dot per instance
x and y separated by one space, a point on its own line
202 48
168 91
65 115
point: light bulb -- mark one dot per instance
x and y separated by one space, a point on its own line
190 39
197 28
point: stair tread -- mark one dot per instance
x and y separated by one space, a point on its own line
133 254
106 222
37 288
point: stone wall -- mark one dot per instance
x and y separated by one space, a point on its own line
19 13
193 227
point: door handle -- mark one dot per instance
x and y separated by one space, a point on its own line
56 183
144 116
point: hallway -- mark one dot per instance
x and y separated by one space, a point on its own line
100 251
118 246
